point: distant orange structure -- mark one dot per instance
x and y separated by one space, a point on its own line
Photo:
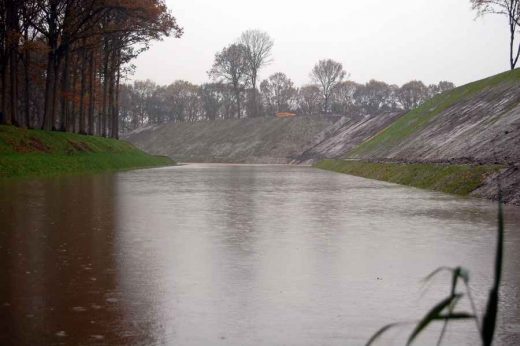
285 115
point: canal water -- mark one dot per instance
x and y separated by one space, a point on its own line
208 254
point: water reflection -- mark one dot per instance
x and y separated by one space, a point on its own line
207 254
57 259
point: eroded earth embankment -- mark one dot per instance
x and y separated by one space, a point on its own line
256 140
344 135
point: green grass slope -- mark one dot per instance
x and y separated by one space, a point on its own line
405 136
455 179
40 153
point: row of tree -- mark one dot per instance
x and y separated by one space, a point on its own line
235 74
62 61
233 91
145 103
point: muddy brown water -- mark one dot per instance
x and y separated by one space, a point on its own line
240 255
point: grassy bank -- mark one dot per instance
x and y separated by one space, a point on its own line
26 153
420 118
456 179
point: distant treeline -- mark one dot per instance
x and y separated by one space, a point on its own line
146 103
62 61
234 91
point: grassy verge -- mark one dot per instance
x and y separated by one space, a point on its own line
456 179
25 153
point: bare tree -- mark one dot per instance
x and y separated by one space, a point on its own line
258 51
509 8
231 66
412 94
343 97
309 99
211 99
327 73
278 92
443 86
376 97
183 102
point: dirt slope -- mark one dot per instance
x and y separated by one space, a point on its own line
478 122
257 140
344 136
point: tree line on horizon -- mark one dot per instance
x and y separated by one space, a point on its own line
233 91
146 103
62 61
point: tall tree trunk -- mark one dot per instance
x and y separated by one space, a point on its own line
13 83
54 99
237 98
103 114
27 86
50 78
3 105
83 86
115 106
48 116
326 108
65 95
255 108
73 111
110 106
11 33
513 55
92 93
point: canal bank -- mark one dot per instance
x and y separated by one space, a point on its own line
477 180
30 153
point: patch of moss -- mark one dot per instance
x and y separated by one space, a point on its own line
455 179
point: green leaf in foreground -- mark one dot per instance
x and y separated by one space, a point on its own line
457 273
440 317
490 317
383 330
432 315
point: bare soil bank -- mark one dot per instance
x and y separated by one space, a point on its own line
256 140
477 122
345 135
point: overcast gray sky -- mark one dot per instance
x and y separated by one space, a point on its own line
394 41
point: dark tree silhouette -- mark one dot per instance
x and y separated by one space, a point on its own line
327 73
231 66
